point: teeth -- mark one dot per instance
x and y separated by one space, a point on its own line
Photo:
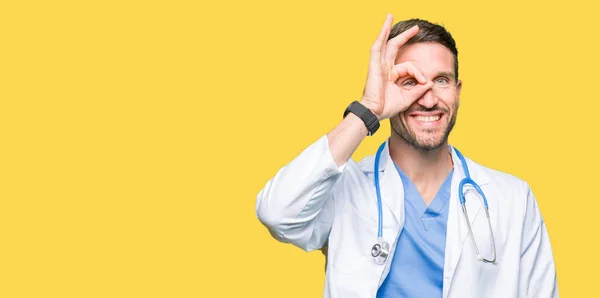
428 118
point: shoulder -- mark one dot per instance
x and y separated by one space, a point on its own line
355 171
507 189
501 178
366 163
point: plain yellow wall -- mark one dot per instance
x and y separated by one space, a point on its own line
135 135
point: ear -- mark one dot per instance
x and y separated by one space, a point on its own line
458 89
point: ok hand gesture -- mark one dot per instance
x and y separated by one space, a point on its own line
382 96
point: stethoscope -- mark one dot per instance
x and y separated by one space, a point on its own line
381 250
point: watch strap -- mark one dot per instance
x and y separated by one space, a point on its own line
370 120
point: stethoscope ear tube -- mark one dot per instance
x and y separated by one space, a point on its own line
461 195
381 249
378 190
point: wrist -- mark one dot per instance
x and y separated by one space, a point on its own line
372 107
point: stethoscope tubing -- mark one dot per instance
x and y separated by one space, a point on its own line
465 181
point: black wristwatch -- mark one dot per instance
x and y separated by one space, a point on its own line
370 120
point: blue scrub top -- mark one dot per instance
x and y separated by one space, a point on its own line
417 268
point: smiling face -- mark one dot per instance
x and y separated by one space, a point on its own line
427 123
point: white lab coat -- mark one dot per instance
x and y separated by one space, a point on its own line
314 204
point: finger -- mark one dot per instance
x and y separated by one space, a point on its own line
408 68
379 44
394 44
418 91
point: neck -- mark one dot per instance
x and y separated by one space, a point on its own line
422 167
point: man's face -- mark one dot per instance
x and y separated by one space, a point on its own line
426 124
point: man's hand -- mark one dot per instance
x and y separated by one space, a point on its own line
382 96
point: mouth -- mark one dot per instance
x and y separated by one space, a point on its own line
428 120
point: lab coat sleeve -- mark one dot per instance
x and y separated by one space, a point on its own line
538 271
296 205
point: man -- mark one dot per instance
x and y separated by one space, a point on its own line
405 202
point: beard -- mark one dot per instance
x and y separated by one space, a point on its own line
424 140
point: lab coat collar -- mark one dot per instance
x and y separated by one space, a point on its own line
477 172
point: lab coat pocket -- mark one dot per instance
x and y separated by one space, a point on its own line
351 239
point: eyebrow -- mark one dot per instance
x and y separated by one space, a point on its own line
446 74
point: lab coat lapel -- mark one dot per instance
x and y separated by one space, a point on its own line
457 229
392 192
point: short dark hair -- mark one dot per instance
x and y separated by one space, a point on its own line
428 32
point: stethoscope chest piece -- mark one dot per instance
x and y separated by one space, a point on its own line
380 252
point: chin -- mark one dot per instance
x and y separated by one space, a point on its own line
430 146
429 143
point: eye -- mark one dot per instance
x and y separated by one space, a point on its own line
442 81
409 83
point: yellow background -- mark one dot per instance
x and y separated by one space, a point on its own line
135 135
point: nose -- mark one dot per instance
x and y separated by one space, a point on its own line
428 99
